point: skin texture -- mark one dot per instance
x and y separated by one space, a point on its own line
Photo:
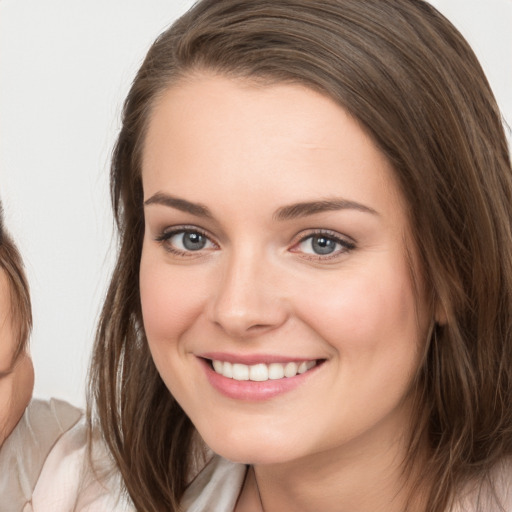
16 375
257 288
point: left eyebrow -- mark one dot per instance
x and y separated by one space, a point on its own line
298 210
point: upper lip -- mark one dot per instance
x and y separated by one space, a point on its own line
251 359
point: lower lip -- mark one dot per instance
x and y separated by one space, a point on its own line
253 391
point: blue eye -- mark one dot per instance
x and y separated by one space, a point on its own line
190 241
323 244
185 241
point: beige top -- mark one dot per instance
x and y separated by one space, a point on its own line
218 485
45 465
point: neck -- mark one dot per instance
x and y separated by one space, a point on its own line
365 475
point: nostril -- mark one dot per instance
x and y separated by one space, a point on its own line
258 327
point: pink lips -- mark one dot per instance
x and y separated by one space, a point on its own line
251 390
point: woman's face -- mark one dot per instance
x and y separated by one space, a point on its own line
275 251
16 374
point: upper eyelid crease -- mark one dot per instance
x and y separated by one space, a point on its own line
167 234
329 233
340 239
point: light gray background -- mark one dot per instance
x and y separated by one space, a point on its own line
65 67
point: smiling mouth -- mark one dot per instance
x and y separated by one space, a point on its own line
262 372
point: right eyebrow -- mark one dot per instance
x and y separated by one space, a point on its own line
183 205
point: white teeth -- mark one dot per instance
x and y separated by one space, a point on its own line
261 372
290 370
227 369
305 366
302 367
258 372
275 371
240 371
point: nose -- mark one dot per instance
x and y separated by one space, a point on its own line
248 300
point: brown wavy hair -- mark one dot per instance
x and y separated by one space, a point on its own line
12 265
415 85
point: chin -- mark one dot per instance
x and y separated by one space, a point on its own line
251 447
252 455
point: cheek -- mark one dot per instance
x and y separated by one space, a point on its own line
171 300
6 391
366 313
15 394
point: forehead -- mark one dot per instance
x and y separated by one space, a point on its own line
280 135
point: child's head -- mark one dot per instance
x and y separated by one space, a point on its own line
16 372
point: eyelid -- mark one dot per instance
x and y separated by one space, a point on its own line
174 230
167 233
328 233
345 241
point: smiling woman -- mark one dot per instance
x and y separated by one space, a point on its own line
287 279
311 303
305 273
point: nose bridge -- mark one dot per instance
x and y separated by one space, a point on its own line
247 299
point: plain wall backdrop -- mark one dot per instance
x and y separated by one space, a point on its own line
65 68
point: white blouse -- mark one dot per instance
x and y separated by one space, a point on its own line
217 487
45 465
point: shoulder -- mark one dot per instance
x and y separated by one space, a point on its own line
493 493
51 462
24 452
216 487
501 482
79 475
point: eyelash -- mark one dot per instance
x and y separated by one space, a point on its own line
165 237
346 244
